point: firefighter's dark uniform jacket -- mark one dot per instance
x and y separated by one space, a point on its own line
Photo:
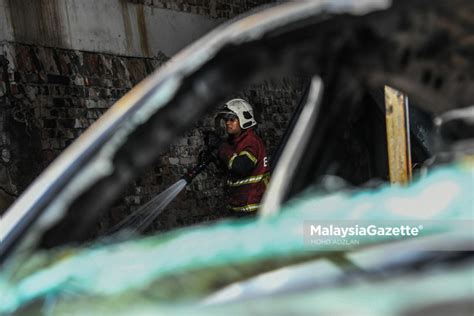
246 159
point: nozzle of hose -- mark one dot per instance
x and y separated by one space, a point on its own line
204 160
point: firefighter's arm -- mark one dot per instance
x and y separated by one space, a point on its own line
239 164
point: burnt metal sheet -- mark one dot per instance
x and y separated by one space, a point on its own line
353 44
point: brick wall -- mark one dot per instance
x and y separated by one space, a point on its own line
66 91
50 96
8 169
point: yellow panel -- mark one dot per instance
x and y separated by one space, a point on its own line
398 142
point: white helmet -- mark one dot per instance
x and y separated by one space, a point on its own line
242 109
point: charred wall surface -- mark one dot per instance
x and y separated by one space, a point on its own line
38 21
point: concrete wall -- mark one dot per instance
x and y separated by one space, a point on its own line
212 8
6 32
107 26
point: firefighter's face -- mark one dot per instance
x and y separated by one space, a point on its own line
232 126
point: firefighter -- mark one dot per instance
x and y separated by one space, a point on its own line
244 157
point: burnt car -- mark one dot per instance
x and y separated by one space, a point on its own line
350 50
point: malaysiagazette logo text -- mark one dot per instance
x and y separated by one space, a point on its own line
369 230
